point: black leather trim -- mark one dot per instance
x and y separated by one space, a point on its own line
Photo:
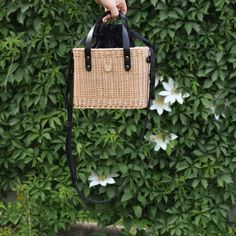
125 41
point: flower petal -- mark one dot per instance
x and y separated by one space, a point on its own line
152 138
168 86
160 110
163 145
93 177
170 99
113 175
213 108
110 181
216 116
173 136
171 82
94 183
179 98
103 182
186 95
153 106
166 107
165 93
157 147
158 79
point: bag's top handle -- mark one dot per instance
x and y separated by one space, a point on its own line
121 16
125 41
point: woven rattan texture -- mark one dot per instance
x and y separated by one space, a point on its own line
108 85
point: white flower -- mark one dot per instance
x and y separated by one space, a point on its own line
217 116
159 105
162 140
171 93
102 180
157 79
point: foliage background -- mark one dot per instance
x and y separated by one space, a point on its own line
184 191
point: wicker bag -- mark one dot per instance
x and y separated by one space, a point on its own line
111 78
109 72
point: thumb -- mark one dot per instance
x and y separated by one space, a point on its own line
114 12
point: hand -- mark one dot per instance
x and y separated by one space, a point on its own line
114 6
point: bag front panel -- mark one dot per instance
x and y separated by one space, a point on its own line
108 85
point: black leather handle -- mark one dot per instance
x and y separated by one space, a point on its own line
121 16
125 41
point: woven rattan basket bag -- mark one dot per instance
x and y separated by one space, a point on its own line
108 72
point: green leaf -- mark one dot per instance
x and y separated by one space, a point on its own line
181 166
123 168
154 2
142 200
138 211
37 23
196 27
111 193
215 75
79 148
233 50
224 179
163 15
208 83
183 119
126 196
219 56
188 27
14 218
206 102
195 183
168 152
204 183
161 6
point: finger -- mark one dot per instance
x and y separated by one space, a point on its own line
108 4
123 8
106 18
114 12
121 4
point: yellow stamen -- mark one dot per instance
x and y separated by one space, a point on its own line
102 177
159 137
160 101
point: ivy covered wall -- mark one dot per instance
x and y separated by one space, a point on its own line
181 182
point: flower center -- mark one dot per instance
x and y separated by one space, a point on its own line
159 137
160 101
102 177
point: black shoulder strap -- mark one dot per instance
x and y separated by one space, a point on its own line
69 101
152 61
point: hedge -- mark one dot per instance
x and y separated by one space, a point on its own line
182 180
